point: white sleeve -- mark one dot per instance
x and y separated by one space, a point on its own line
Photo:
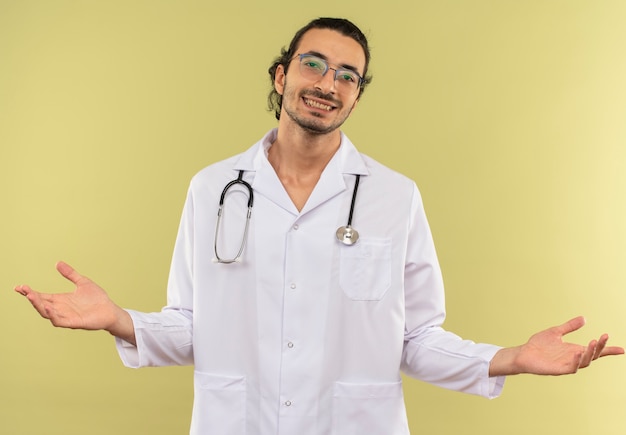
165 338
430 353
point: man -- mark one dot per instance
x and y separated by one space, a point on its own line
294 327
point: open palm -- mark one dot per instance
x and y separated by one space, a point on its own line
87 307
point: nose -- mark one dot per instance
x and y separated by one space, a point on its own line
326 82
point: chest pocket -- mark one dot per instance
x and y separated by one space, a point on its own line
365 269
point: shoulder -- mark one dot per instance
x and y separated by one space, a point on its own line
216 170
383 174
356 162
228 169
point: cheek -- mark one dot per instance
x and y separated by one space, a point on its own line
348 106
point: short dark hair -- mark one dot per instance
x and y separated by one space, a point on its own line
341 25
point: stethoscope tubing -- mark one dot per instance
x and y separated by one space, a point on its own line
238 180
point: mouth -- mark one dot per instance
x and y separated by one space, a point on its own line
317 104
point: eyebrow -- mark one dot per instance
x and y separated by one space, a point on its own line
343 65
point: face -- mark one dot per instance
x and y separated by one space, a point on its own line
317 105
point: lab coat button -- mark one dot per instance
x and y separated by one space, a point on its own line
295 227
293 285
290 345
288 403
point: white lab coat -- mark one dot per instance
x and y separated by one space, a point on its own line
305 335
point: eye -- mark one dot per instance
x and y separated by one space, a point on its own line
313 63
346 76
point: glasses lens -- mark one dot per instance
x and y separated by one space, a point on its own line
347 79
313 67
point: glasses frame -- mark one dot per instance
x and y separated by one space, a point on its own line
327 64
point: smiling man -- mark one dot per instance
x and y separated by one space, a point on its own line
317 84
323 108
294 326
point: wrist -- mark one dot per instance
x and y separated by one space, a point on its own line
506 362
123 326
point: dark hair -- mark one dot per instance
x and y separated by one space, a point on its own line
341 25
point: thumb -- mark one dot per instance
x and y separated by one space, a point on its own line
68 272
571 325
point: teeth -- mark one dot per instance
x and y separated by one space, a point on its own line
318 105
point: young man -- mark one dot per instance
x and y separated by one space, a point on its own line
295 326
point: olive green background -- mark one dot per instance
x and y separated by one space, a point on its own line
510 115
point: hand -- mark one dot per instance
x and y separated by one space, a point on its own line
87 307
546 353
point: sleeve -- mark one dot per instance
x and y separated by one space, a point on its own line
431 353
165 338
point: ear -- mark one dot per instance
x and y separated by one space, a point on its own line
279 79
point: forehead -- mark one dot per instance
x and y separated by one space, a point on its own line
335 47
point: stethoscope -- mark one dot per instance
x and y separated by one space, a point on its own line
345 234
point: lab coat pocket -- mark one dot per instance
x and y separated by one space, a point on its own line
365 269
372 409
219 404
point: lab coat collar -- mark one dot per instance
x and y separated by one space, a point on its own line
347 160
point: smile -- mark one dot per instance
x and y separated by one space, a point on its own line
318 105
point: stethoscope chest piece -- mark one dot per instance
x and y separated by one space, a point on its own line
347 235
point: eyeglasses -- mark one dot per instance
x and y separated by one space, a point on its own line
314 67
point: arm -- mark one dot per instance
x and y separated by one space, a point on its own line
87 307
545 353
431 353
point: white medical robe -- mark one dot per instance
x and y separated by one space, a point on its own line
305 335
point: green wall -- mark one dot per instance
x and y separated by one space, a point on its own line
510 115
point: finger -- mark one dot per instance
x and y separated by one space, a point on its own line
38 301
600 346
68 272
570 326
608 350
33 297
22 289
612 350
589 353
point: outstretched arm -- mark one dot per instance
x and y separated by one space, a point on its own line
87 307
546 353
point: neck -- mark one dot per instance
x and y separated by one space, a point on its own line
299 158
299 153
